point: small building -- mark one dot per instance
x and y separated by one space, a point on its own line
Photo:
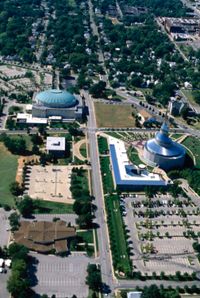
134 294
143 116
44 236
56 146
28 119
175 106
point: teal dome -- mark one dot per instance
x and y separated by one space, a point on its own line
56 98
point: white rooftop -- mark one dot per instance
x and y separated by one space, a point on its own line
55 143
31 120
143 178
134 294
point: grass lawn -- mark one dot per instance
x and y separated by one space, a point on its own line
133 156
52 207
188 94
103 145
193 144
87 236
83 150
8 169
176 136
117 235
106 173
114 115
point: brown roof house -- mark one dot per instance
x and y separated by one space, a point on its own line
44 236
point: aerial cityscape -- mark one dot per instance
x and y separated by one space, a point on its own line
100 148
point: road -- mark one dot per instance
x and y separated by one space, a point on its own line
102 231
100 52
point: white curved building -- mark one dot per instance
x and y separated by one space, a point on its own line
163 152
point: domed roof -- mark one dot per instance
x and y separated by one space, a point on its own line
163 145
56 98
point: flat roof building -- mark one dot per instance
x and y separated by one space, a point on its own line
128 176
56 145
134 294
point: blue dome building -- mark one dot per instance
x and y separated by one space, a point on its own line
57 103
163 152
56 99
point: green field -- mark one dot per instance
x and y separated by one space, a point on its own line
114 115
193 144
52 207
106 173
83 150
8 168
133 156
87 236
119 249
103 145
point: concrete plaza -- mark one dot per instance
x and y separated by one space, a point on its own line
50 183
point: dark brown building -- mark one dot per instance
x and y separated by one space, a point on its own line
44 236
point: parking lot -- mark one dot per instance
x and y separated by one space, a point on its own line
4 227
63 277
158 233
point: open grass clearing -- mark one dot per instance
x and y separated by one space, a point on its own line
114 116
52 207
193 144
83 150
86 235
133 156
8 169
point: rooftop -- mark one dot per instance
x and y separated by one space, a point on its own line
55 143
125 172
55 98
44 236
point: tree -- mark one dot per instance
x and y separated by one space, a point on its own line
93 279
14 221
18 251
25 206
16 189
97 90
152 291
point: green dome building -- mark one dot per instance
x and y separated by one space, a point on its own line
57 103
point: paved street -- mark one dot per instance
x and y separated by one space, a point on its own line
63 277
102 231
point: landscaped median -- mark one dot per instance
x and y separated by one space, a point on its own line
120 254
119 247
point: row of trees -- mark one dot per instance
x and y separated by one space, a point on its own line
83 205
